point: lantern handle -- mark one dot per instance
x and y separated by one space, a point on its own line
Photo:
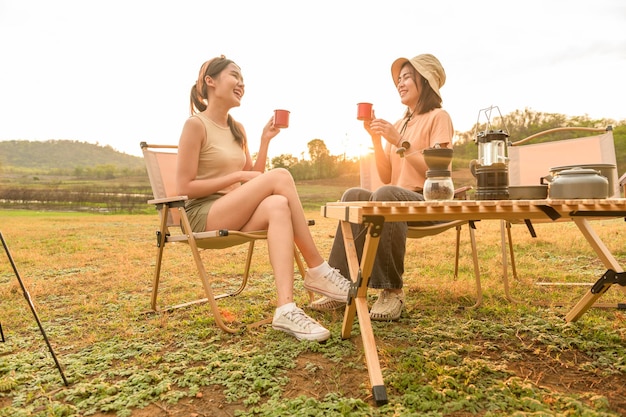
488 116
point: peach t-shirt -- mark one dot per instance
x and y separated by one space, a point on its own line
423 131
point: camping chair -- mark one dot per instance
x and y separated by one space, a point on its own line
528 163
161 166
370 181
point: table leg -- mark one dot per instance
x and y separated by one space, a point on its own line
357 304
607 259
355 276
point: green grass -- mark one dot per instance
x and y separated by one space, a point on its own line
5 215
313 192
90 275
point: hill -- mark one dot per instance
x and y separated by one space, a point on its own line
62 155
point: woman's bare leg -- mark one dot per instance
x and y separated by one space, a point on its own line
237 211
279 242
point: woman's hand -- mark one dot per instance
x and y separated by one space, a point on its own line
381 127
249 175
269 131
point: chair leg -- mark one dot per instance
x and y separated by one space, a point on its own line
155 279
302 270
159 256
456 258
299 263
513 269
208 290
245 276
505 274
479 290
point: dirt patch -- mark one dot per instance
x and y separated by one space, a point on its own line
208 403
558 375
5 402
315 376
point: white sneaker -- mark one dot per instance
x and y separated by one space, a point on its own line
298 324
332 285
327 304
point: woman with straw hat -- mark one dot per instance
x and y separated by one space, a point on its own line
401 167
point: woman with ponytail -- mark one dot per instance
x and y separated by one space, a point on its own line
228 190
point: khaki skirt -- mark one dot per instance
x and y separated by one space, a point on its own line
198 209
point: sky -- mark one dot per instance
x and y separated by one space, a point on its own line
119 72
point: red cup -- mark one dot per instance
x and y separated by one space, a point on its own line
364 111
281 118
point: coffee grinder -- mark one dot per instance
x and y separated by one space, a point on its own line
438 184
491 169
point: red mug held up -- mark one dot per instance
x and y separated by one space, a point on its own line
364 111
281 118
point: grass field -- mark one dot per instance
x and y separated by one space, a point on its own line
89 276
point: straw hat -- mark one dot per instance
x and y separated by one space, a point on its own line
427 65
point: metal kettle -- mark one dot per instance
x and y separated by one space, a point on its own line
577 183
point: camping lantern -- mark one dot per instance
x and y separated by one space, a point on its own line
491 169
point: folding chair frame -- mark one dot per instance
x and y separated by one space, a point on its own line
506 226
418 232
216 239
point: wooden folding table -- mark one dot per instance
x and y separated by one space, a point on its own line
373 215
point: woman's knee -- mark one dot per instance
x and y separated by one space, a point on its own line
395 193
276 204
356 194
281 175
386 193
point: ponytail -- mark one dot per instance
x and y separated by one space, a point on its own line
198 97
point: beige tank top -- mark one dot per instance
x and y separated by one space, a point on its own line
220 154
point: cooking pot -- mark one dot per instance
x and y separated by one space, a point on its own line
608 170
577 183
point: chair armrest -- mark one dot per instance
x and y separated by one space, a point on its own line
166 200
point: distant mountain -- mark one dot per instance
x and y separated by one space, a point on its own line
63 154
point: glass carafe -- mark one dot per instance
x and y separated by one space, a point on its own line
438 184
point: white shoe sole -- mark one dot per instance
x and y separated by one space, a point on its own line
334 296
327 304
320 337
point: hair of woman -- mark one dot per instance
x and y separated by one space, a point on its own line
198 100
428 99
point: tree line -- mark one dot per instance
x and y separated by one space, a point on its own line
518 124
521 124
67 182
322 164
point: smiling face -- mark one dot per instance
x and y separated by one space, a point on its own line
228 85
409 85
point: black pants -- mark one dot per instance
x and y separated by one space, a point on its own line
389 263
